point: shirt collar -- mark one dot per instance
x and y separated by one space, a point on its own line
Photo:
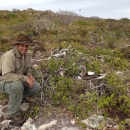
17 52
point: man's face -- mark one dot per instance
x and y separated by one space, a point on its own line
22 48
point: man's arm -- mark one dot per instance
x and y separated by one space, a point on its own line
8 68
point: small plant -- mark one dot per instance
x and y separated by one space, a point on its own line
115 100
80 23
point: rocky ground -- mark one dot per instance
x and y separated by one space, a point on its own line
57 119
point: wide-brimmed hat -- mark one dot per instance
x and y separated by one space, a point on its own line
24 39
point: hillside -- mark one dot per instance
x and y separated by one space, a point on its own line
101 45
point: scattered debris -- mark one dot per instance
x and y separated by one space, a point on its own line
3 113
24 106
5 124
28 125
43 127
93 121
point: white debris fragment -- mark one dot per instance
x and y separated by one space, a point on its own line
5 124
28 125
91 73
79 77
69 128
101 77
62 73
43 127
2 114
24 106
72 122
93 121
35 66
119 72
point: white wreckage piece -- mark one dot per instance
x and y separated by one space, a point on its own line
2 114
28 125
84 74
5 124
43 127
93 121
57 53
102 76
24 106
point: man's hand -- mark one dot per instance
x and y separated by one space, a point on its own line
30 80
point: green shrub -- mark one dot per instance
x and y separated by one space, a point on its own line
80 23
12 15
117 98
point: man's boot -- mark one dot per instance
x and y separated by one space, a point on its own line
17 120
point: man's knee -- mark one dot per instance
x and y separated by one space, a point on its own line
36 86
17 86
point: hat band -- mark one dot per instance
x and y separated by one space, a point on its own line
24 41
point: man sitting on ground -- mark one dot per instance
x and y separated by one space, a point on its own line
16 79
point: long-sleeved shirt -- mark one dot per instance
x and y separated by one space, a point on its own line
14 67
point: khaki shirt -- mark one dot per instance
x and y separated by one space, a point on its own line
13 67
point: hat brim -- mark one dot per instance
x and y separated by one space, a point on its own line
25 43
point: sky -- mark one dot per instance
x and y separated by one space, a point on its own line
114 9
